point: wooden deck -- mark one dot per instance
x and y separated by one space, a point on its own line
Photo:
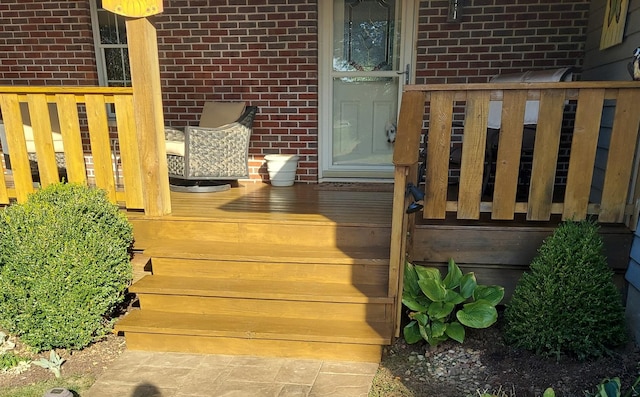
352 203
301 271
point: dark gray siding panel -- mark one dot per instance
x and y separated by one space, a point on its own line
610 63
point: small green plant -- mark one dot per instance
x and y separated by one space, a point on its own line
64 266
10 360
53 364
441 308
567 302
613 388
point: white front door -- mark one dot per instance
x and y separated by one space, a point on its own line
366 49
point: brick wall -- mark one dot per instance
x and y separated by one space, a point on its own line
46 42
259 51
497 37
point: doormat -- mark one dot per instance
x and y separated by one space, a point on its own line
355 187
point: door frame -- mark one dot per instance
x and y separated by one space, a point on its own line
408 31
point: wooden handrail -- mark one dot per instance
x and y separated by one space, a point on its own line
78 109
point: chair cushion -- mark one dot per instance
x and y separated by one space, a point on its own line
174 141
216 114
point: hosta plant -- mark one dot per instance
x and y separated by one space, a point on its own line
441 308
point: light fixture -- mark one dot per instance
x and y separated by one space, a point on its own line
418 195
454 14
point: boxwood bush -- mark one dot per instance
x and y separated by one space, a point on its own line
64 266
567 303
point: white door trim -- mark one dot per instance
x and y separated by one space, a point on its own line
409 22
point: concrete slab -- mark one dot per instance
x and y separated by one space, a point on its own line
154 374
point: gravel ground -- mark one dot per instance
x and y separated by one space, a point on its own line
485 363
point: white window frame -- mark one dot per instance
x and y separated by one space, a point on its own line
101 63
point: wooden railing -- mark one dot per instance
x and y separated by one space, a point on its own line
602 160
102 116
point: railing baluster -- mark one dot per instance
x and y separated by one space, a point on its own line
438 152
584 143
41 127
474 144
545 155
12 120
71 138
130 160
508 160
100 144
624 137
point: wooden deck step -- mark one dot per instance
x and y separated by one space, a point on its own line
141 266
317 233
361 273
232 307
255 335
261 252
259 289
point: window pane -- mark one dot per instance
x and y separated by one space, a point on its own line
364 35
117 63
112 27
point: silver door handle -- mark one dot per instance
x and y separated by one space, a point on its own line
407 73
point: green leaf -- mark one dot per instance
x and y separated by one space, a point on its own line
412 333
492 294
410 280
425 332
454 275
439 310
413 304
467 285
610 388
428 273
453 297
421 318
435 341
433 289
478 314
438 328
455 331
549 393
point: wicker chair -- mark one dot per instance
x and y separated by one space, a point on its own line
207 157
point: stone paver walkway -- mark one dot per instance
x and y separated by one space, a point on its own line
152 374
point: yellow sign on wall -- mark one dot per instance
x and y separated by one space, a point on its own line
133 8
615 17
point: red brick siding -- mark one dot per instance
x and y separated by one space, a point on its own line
499 36
259 51
46 42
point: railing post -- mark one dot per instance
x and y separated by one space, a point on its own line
405 159
147 103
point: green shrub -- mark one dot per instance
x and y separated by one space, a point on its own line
64 266
568 302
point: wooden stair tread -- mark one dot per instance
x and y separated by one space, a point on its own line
256 327
257 252
262 289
